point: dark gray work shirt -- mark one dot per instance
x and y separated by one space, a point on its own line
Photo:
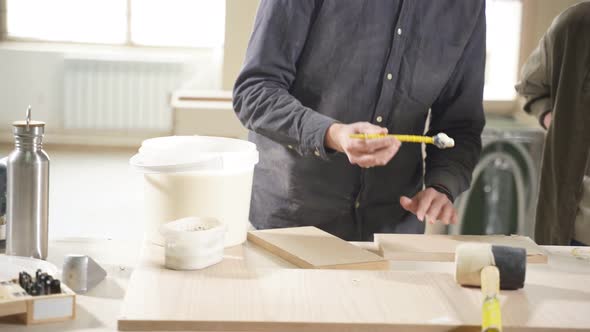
312 63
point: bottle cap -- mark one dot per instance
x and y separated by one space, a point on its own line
28 127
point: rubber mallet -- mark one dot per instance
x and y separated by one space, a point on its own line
493 268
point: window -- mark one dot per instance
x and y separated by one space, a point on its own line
175 23
503 47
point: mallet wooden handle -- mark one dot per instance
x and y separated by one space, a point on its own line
491 317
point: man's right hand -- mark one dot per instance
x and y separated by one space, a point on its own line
363 152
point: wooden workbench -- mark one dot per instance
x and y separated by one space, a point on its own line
99 309
251 290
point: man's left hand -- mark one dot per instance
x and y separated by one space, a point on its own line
431 204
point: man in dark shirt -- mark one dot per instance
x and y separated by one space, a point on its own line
317 71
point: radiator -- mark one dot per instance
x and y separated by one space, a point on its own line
119 95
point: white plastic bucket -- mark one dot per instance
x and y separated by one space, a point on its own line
197 176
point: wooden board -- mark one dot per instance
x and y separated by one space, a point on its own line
232 296
312 248
441 248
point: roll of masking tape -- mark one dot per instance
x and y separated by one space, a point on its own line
193 243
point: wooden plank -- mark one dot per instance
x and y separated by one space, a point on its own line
312 248
9 308
231 296
441 248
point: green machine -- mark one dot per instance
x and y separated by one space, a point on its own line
504 188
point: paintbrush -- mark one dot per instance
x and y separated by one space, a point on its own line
440 140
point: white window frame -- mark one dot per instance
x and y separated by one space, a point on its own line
5 37
509 106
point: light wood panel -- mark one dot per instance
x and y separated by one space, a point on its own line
441 248
312 248
235 296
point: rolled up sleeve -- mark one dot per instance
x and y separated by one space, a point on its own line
458 112
262 98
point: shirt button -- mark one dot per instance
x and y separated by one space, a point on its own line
317 152
399 31
357 204
389 76
379 119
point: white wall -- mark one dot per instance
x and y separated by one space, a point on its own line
537 17
30 78
32 73
238 28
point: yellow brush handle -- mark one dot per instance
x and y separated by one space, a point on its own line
401 138
491 315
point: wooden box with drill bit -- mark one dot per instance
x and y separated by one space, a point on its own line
27 300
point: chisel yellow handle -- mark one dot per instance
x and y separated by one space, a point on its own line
491 315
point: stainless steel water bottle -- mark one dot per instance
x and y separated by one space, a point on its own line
2 205
27 192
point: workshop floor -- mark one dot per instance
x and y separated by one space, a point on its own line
93 193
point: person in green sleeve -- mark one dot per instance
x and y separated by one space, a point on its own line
556 85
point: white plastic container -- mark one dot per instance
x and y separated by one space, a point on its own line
192 176
193 243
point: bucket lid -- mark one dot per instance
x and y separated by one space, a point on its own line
173 154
